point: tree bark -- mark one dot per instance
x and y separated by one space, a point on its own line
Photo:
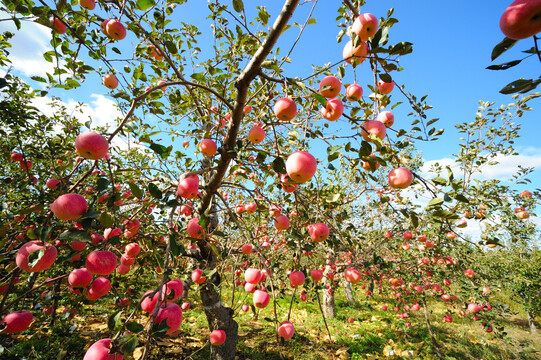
329 308
349 293
531 323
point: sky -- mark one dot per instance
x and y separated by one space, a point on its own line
452 43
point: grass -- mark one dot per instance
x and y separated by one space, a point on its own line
374 334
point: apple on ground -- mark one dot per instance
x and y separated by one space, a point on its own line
286 330
100 351
217 337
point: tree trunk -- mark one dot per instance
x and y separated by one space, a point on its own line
349 293
435 344
329 308
531 322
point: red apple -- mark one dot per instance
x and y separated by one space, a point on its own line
474 308
316 275
387 118
100 286
116 30
256 135
521 19
366 165
385 87
250 207
15 156
365 26
88 4
91 145
101 262
188 187
355 55
296 278
333 110
261 299
149 302
301 166
319 232
526 194
16 322
196 276
400 178
207 147
100 351
58 25
27 252
172 314
217 337
80 278
354 92
373 127
194 229
110 81
25 164
176 287
281 222
246 249
352 275
285 109
185 306
253 276
286 330
330 87
52 183
469 273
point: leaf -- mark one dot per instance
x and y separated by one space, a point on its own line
320 98
386 78
435 202
279 166
504 66
238 5
135 190
114 320
520 85
160 150
462 198
439 180
77 235
35 257
155 191
414 220
127 343
366 148
502 47
134 327
175 250
102 184
144 5
311 21
106 220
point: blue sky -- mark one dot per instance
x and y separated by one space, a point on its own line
452 42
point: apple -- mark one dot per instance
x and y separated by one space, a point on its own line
301 166
385 87
133 249
469 273
285 109
217 337
91 145
261 299
365 26
366 165
386 117
80 278
30 251
253 276
256 135
175 286
154 53
127 260
355 55
296 278
316 275
185 306
196 276
448 318
319 232
16 322
286 330
100 286
526 194
281 222
101 262
52 183
373 127
25 164
352 276
246 249
149 302
245 307
249 288
110 81
116 30
194 229
474 308
188 187
330 87
15 156
415 307
287 184
87 4
247 109
100 351
333 110
58 25
172 314
250 207
354 92
521 19
400 178
207 147
123 269
523 215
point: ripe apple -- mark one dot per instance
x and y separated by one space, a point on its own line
33 249
247 109
366 165
100 351
319 232
400 178
281 222
217 337
80 278
15 156
373 127
256 135
301 166
25 165
87 4
354 92
526 194
69 206
176 287
385 87
172 314
133 249
194 229
387 118
523 215
207 147
355 55
101 262
351 320
333 110
100 286
448 318
469 273
123 269
127 260
58 25
287 183
521 19
250 207
154 53
316 275
352 275
116 30
330 87
296 278
185 306
196 276
261 299
246 249
249 288
285 109
149 302
91 145
253 276
16 322
245 307
474 308
365 26
286 330
188 187
52 183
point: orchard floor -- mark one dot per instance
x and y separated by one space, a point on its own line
373 335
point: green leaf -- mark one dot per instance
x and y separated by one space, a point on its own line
144 5
238 5
35 257
77 235
439 180
161 150
311 21
134 327
155 191
366 148
279 166
504 66
462 198
520 85
135 190
106 220
102 184
414 220
128 343
320 98
386 78
502 47
114 320
435 202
